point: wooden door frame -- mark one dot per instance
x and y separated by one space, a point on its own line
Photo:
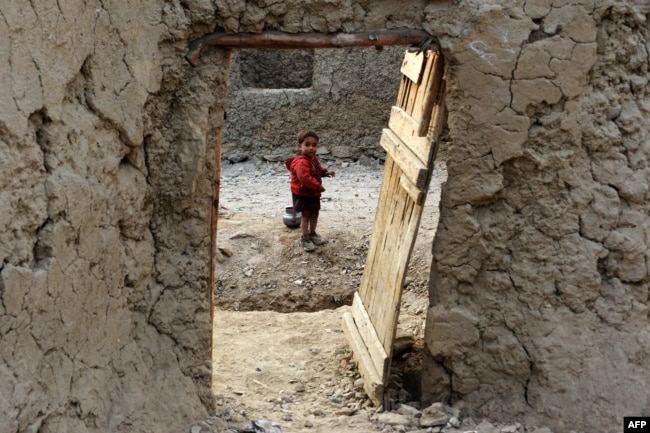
283 40
415 187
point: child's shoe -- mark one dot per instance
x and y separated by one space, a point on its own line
315 238
307 244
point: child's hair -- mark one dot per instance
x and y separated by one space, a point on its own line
304 133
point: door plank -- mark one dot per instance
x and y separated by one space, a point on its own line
413 168
416 194
366 329
408 130
432 96
412 66
372 381
419 106
410 141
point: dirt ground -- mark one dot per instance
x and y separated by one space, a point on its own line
279 349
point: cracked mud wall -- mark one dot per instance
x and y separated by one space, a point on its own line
539 293
107 161
107 139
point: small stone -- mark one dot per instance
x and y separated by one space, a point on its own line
196 429
434 415
405 409
454 422
309 424
392 418
317 412
364 160
276 157
347 411
237 157
486 427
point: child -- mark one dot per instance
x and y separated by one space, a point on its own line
306 186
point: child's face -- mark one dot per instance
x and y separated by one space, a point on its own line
308 147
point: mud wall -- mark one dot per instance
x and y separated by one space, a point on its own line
347 102
105 196
108 142
539 293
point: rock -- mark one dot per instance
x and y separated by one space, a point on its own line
365 160
276 157
237 157
405 409
262 426
486 427
241 235
434 415
347 411
226 251
343 151
392 418
404 342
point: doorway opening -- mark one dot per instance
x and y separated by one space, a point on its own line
278 341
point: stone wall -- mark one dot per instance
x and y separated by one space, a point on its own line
539 295
347 103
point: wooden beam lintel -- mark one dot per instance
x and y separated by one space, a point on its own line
282 40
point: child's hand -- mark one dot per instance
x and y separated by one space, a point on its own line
321 189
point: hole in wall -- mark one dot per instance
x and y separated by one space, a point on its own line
276 69
265 283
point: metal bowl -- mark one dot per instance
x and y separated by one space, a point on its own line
291 219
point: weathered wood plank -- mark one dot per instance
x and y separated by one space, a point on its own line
366 329
394 269
412 66
408 130
417 109
416 194
432 95
372 381
381 245
413 168
369 279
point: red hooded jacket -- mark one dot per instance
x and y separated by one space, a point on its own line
306 175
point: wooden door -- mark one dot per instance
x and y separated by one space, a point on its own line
411 142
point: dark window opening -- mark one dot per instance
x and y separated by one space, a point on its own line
276 69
